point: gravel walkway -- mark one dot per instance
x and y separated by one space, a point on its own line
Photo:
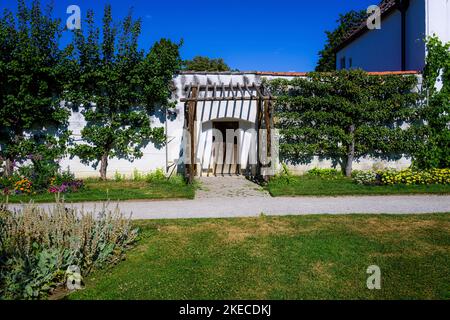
225 197
254 206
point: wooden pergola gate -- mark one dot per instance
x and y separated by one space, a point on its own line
195 93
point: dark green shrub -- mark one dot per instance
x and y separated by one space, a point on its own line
40 172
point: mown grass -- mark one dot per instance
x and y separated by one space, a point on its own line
96 190
339 186
303 257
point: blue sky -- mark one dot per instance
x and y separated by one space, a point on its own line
266 35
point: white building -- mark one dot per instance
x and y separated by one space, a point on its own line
399 44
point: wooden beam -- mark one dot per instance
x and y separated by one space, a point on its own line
214 90
240 90
223 90
232 92
201 99
211 88
191 130
246 88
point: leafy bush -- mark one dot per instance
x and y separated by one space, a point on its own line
40 173
433 131
324 173
284 176
365 177
40 178
7 184
37 246
119 177
65 182
156 176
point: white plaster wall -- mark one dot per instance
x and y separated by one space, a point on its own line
376 50
363 164
152 159
438 18
243 112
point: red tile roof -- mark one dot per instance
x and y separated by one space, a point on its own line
288 74
281 74
303 74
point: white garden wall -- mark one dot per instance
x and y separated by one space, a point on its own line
169 157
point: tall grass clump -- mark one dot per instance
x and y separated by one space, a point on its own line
37 246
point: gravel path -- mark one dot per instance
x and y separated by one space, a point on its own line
254 206
225 197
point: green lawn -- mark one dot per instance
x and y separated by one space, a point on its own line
304 257
97 190
316 186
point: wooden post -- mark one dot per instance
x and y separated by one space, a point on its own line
267 121
259 106
191 129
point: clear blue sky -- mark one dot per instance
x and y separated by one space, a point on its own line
266 35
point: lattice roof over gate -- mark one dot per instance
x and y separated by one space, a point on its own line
223 92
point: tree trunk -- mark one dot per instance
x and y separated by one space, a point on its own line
350 152
103 166
9 167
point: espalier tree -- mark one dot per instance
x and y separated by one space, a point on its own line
432 132
343 116
32 122
116 88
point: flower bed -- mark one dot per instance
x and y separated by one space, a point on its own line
29 182
406 177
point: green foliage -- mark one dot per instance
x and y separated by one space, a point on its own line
324 173
117 88
285 176
343 116
415 177
405 177
119 177
40 177
32 69
40 173
37 246
157 71
200 63
137 176
156 176
432 131
346 23
365 177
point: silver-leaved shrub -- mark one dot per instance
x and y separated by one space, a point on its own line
37 246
